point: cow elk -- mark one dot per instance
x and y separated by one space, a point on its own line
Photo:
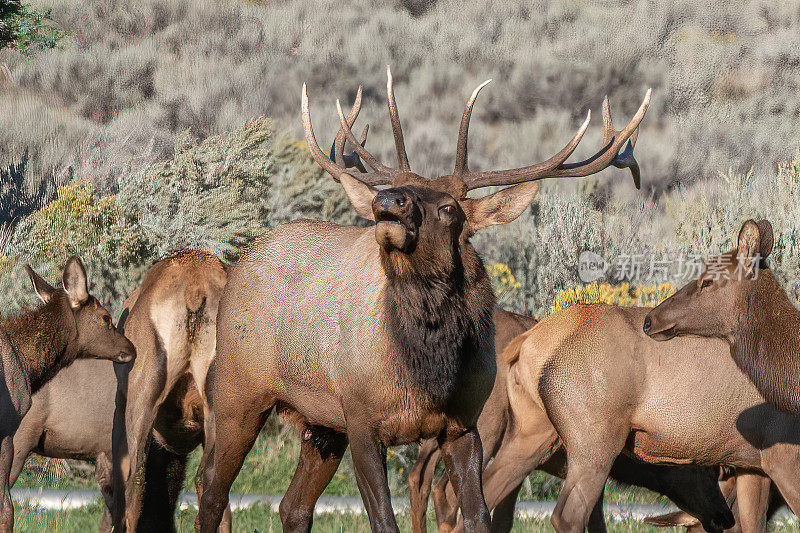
372 336
171 319
70 325
738 299
54 427
501 427
606 386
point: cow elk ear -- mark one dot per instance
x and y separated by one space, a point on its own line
500 207
360 194
767 237
75 282
42 289
749 242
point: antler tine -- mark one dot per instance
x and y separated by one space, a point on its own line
609 155
399 144
323 160
608 126
475 180
360 150
625 159
350 160
337 154
462 163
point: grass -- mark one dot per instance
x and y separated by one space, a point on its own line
259 519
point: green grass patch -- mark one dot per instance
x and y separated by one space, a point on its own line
259 519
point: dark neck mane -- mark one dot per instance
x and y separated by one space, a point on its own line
766 345
436 323
40 340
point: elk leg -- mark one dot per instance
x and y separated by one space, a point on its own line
463 460
23 446
781 465
147 387
321 451
164 475
6 506
120 459
102 475
586 477
369 462
503 514
420 480
752 499
597 522
445 503
232 426
518 456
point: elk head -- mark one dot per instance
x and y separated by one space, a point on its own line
714 305
420 219
91 332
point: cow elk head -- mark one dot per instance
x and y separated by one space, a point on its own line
91 332
713 305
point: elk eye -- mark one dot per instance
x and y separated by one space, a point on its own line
107 320
705 283
448 210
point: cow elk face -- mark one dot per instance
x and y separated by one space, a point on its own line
712 305
95 334
424 218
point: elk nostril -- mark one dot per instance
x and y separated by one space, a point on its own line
401 201
647 324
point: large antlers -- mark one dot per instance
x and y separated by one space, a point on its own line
611 154
555 167
335 164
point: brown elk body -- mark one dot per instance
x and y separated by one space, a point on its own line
371 336
54 427
70 325
71 417
171 319
501 427
606 387
741 302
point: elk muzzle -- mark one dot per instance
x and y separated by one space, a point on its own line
125 350
656 328
395 227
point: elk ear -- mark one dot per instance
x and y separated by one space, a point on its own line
749 242
75 282
42 289
360 194
767 237
500 207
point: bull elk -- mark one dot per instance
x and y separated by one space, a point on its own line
738 299
501 427
70 325
372 336
606 386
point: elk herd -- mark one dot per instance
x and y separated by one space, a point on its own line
389 334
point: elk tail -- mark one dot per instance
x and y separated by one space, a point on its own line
511 353
195 296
